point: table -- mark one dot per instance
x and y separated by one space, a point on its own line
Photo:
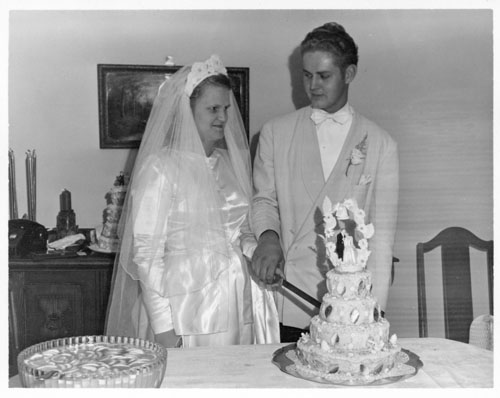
447 363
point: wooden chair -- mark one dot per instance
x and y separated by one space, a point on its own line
457 290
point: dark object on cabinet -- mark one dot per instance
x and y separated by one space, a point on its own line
26 236
56 298
457 290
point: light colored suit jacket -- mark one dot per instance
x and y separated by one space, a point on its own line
289 192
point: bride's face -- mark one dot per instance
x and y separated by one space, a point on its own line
210 112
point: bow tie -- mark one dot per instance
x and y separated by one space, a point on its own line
318 116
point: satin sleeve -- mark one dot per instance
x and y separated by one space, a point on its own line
159 310
150 200
248 242
236 204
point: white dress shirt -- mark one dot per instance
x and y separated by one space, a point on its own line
332 131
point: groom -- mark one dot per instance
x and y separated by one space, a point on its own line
325 149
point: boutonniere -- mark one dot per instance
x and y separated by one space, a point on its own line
357 154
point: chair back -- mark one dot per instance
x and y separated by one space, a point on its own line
457 289
481 332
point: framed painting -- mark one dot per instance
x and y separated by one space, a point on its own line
126 94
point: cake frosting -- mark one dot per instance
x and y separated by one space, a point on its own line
108 239
349 339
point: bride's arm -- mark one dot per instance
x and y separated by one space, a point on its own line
248 242
150 201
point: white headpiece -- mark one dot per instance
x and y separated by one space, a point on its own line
201 70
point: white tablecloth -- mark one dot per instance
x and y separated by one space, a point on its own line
446 363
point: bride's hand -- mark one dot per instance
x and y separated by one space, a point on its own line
168 339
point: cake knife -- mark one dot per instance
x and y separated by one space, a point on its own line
278 279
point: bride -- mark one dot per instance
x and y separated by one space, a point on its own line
181 277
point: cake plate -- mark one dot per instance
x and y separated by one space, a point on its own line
97 249
407 364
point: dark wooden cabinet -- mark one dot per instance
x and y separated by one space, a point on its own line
56 298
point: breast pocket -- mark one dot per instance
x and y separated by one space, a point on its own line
360 193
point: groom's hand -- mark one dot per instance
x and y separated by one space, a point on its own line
268 257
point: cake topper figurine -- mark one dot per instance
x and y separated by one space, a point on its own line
121 179
346 234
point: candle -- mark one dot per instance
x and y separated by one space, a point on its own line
31 184
65 200
12 186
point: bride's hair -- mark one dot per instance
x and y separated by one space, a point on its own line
215 80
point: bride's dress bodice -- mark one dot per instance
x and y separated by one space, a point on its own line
233 210
235 204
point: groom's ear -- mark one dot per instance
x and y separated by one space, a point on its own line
350 73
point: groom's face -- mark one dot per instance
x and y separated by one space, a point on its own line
325 83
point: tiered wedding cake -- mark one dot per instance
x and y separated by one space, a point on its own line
108 239
349 339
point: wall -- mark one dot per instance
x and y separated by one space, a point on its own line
426 76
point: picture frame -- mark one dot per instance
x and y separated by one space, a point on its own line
126 94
